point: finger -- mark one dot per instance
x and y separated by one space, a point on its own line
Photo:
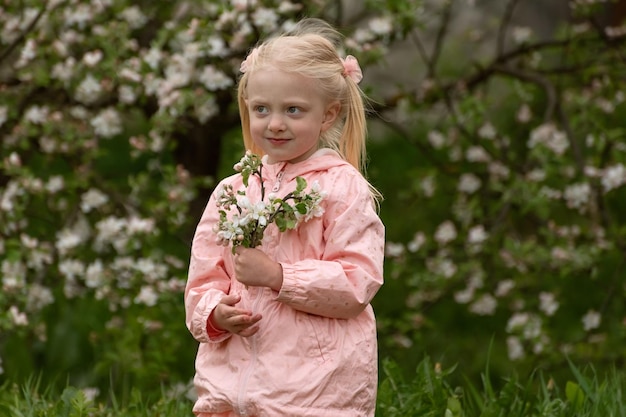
230 299
247 332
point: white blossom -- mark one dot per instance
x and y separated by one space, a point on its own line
147 296
498 170
68 239
63 71
469 183
13 275
515 348
477 154
110 229
107 123
436 139
134 16
127 94
393 249
442 266
19 318
614 177
27 54
487 131
216 46
92 58
207 110
517 321
288 7
13 160
548 135
39 297
521 34
242 5
138 225
93 199
362 36
536 175
55 184
265 18
524 114
71 268
477 234
428 185
485 305
464 296
94 275
153 58
36 114
417 242
504 287
79 15
591 320
548 303
446 232
381 25
577 195
214 79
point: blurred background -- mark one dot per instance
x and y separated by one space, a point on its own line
496 137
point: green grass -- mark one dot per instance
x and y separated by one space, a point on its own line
426 394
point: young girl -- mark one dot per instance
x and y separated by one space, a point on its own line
287 329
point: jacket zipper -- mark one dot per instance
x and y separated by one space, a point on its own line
279 178
253 358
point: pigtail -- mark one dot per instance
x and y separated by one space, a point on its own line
311 49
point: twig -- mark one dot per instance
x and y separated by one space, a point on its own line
506 20
535 78
9 50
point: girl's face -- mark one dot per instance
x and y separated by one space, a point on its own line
287 114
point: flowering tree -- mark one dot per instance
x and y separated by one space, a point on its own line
114 115
517 190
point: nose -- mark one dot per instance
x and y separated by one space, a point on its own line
275 123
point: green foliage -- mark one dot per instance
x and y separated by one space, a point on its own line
502 160
430 392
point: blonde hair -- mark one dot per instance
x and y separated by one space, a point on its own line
310 49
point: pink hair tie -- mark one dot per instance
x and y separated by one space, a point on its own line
247 63
352 69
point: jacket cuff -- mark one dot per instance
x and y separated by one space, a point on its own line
212 331
290 290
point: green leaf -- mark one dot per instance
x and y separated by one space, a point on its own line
301 184
291 223
301 207
574 394
281 223
245 175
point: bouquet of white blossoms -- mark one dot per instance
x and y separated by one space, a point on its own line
248 221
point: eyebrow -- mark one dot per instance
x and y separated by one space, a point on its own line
288 101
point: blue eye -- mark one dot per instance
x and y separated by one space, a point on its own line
260 109
293 110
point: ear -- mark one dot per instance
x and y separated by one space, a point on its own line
330 115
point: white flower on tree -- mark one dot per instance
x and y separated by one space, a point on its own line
591 320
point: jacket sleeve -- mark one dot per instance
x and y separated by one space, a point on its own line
207 281
344 281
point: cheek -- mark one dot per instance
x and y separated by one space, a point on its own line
256 124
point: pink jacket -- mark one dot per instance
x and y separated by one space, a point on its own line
315 353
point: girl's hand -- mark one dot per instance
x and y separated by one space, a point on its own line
233 319
253 267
